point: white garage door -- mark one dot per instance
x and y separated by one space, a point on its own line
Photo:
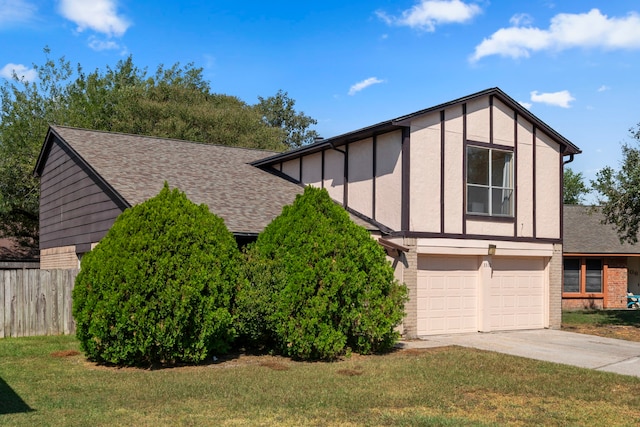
447 295
517 294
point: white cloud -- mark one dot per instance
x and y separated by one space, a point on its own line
558 99
364 84
21 71
526 105
566 31
521 19
603 88
98 45
428 13
97 15
15 12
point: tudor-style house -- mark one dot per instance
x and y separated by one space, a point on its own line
466 197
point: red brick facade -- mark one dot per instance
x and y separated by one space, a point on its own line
614 287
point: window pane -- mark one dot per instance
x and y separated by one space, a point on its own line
501 169
594 275
477 166
501 201
572 275
477 199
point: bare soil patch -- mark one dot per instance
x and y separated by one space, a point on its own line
622 332
65 353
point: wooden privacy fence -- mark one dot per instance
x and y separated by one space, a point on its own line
36 302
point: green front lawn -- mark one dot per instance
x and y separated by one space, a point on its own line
620 324
43 381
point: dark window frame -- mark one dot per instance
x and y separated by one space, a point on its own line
490 186
583 276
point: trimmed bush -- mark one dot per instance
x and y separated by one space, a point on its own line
158 287
317 285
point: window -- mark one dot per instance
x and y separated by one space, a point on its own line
489 181
582 276
572 275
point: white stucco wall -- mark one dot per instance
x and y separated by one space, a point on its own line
547 187
312 170
453 173
360 176
425 174
389 179
524 192
334 174
478 120
292 169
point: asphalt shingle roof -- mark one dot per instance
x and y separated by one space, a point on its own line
136 167
247 198
584 233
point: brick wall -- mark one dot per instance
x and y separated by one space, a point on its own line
616 285
410 276
63 257
555 287
582 304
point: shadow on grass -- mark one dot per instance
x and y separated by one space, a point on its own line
622 317
604 317
10 402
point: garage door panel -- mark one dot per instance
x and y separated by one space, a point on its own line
517 293
447 295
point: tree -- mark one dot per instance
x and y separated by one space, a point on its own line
277 111
318 285
619 192
574 189
174 102
158 288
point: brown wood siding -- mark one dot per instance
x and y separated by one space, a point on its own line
75 209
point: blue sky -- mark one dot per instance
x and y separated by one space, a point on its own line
349 64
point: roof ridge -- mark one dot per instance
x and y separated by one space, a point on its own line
161 138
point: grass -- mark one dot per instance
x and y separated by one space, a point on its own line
45 381
621 324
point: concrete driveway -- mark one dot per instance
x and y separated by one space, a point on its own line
586 351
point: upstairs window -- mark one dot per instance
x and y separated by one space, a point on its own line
489 181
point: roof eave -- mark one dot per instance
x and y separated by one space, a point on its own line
336 141
567 146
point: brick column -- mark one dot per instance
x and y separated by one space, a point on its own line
555 287
410 276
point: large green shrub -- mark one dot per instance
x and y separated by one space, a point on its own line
317 284
159 286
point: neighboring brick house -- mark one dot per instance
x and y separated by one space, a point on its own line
466 196
598 269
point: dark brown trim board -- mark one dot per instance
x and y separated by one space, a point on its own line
406 178
490 119
442 167
464 168
374 172
345 188
429 235
533 169
515 172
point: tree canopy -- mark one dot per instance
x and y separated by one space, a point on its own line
619 191
574 188
174 102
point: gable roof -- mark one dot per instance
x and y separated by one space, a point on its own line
568 148
135 168
584 233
